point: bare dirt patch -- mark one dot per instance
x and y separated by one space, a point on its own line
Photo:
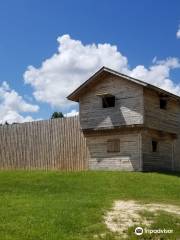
125 214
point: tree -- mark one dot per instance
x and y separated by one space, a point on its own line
57 115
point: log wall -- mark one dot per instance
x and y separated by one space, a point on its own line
128 157
51 144
128 110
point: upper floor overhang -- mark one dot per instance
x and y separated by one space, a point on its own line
138 128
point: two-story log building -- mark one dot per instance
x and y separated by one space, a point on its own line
129 124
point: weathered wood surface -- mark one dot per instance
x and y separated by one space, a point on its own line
128 108
176 147
167 120
52 144
128 158
134 106
163 159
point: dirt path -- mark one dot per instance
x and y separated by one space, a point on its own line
125 214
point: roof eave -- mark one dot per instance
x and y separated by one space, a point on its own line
74 96
154 88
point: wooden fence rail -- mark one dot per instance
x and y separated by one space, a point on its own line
51 144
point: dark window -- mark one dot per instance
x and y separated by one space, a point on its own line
163 103
108 101
113 145
154 146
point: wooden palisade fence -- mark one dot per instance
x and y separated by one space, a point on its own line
55 144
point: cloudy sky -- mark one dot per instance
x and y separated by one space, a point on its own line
48 48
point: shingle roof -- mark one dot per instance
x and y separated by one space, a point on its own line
74 96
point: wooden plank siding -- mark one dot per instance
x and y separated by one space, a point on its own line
167 120
135 106
176 162
128 108
163 158
56 144
128 158
153 112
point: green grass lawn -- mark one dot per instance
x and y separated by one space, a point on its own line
66 206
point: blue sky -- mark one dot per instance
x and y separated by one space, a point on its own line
141 30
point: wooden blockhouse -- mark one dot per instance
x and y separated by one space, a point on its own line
128 124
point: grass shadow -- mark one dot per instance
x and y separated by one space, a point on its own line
170 173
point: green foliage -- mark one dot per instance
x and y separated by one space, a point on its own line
57 115
70 206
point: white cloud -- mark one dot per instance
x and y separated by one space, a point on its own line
159 74
178 33
74 62
12 104
72 113
67 69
